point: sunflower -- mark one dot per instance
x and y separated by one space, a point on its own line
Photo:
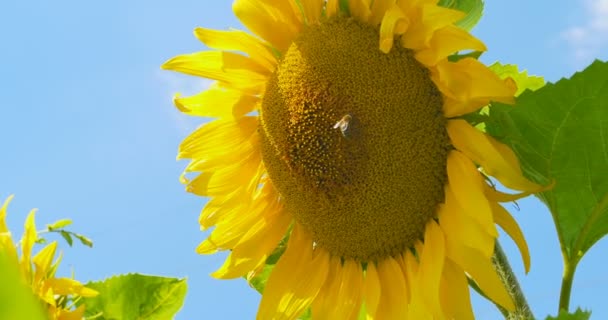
339 128
38 272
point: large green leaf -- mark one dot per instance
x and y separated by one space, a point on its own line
522 79
473 9
136 296
16 300
560 133
577 315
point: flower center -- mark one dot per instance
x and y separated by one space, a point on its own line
354 140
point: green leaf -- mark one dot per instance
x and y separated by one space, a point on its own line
522 79
136 296
59 224
84 240
16 300
473 9
578 315
67 236
560 133
259 281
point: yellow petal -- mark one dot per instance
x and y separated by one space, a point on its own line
3 226
431 267
460 227
216 102
465 182
76 314
425 21
371 290
215 144
394 298
417 308
345 302
468 85
332 8
272 20
218 207
455 296
312 10
510 226
238 41
232 69
360 9
27 242
67 286
255 246
327 297
43 259
495 158
482 271
233 226
296 279
231 178
393 22
378 10
447 41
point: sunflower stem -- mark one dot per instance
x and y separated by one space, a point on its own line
568 276
508 278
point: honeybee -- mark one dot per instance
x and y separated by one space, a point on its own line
343 123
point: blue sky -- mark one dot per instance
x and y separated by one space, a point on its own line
89 132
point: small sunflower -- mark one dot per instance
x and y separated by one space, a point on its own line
338 126
38 272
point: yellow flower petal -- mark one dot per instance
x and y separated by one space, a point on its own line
460 227
76 314
466 182
360 9
371 290
238 41
341 297
218 207
295 280
378 10
468 85
332 8
455 297
233 70
67 286
495 158
3 227
393 22
232 178
394 292
481 270
426 20
447 41
510 226
27 242
216 102
43 259
312 10
255 245
272 20
219 142
431 267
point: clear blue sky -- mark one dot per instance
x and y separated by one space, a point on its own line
89 132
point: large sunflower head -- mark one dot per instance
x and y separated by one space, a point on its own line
57 295
338 126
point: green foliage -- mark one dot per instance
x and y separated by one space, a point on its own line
58 227
136 296
16 300
578 315
560 133
521 78
473 9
